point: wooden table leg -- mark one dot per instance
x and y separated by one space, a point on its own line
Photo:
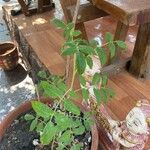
140 62
121 33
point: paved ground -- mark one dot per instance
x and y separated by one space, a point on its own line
15 86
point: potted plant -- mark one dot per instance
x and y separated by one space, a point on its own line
61 122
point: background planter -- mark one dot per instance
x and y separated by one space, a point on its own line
8 55
26 106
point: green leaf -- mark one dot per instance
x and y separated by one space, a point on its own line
85 94
102 55
97 95
108 37
77 146
48 133
89 62
71 107
60 147
104 80
42 74
86 49
79 131
82 80
69 51
40 127
33 124
66 137
121 44
88 123
29 117
70 26
62 86
96 79
93 43
41 109
80 63
112 49
51 90
63 122
76 33
104 95
73 94
58 23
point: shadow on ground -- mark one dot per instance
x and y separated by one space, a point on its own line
15 87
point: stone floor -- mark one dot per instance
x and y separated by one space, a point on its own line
15 86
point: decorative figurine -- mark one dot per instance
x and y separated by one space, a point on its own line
132 134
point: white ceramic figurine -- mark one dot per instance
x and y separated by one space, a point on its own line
132 133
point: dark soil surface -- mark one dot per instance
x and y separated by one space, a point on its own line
18 137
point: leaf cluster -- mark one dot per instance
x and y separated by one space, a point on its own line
59 125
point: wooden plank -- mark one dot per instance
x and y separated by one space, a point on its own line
140 64
120 34
133 87
86 12
126 11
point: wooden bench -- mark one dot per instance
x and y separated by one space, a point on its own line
80 13
28 8
128 13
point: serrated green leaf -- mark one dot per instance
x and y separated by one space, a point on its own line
77 146
104 95
85 94
40 127
97 95
51 90
71 107
63 122
108 37
121 44
29 117
76 33
33 124
104 80
102 55
112 49
80 63
66 137
41 109
58 23
86 49
48 133
89 62
69 51
96 79
79 131
42 74
82 80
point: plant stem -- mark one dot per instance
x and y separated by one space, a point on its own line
74 71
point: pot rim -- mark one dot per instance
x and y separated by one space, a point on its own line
25 106
9 42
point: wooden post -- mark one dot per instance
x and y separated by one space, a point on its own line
140 62
121 33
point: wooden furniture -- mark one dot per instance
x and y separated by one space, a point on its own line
128 13
39 6
80 13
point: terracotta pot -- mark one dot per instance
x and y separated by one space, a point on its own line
8 55
26 106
